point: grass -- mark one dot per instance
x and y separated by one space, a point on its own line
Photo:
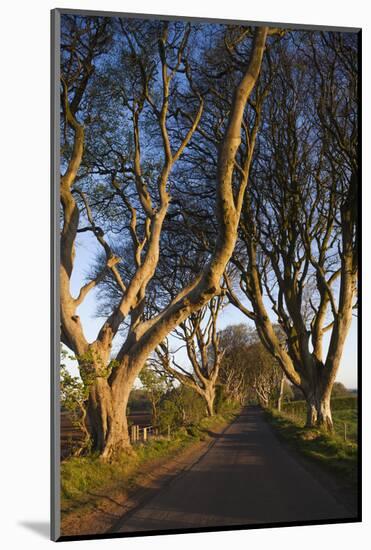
328 450
348 417
339 416
83 478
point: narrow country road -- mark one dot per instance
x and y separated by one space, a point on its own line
246 477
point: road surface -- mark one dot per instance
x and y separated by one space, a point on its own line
246 477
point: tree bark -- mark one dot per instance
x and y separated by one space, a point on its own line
209 397
107 407
324 416
319 409
108 421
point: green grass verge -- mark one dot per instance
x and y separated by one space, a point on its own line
348 417
345 420
328 450
85 478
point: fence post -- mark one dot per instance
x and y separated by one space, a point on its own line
133 433
168 431
137 433
144 434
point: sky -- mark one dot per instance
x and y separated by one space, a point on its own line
86 250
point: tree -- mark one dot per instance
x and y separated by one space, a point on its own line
158 77
339 390
201 339
247 368
155 385
264 375
180 407
74 397
297 243
234 342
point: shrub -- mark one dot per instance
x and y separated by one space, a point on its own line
181 406
169 415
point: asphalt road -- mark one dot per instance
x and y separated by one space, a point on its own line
246 477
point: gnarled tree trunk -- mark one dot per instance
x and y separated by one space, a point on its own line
108 420
324 416
107 413
209 396
319 410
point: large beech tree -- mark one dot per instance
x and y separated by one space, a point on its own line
296 259
156 62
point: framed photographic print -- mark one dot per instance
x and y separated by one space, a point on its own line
205 186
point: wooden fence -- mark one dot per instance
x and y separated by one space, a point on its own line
142 433
72 436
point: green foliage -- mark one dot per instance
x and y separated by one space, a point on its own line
223 403
154 385
73 391
329 450
169 415
92 367
195 432
80 477
74 394
348 417
220 398
182 406
152 381
344 403
339 390
138 401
